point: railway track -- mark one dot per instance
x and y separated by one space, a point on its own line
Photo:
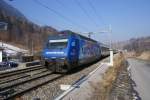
52 90
19 76
17 82
20 71
42 84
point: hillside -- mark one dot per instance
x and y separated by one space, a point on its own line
120 45
138 45
21 31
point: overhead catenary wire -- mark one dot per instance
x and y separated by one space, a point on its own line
66 7
60 15
94 10
60 3
86 13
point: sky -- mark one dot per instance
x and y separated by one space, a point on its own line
127 18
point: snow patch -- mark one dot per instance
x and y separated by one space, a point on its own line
11 49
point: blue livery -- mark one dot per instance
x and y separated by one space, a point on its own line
67 50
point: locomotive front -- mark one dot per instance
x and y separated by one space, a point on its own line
54 55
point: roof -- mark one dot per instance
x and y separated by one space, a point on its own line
68 32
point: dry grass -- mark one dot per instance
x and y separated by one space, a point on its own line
103 88
145 55
130 54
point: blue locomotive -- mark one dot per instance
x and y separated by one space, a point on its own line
67 50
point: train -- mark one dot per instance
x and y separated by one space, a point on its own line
104 50
67 50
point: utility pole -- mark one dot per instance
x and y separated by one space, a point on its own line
109 31
32 47
3 27
111 50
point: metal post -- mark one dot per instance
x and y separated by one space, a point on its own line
110 31
111 50
3 27
32 48
1 57
111 57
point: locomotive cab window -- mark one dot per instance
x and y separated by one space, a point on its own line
57 44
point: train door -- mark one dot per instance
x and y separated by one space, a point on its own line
74 52
77 50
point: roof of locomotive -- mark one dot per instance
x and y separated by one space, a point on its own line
68 33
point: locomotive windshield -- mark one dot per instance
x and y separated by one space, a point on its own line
57 44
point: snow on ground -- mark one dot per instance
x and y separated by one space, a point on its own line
11 49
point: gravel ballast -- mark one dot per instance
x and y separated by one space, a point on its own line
51 90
